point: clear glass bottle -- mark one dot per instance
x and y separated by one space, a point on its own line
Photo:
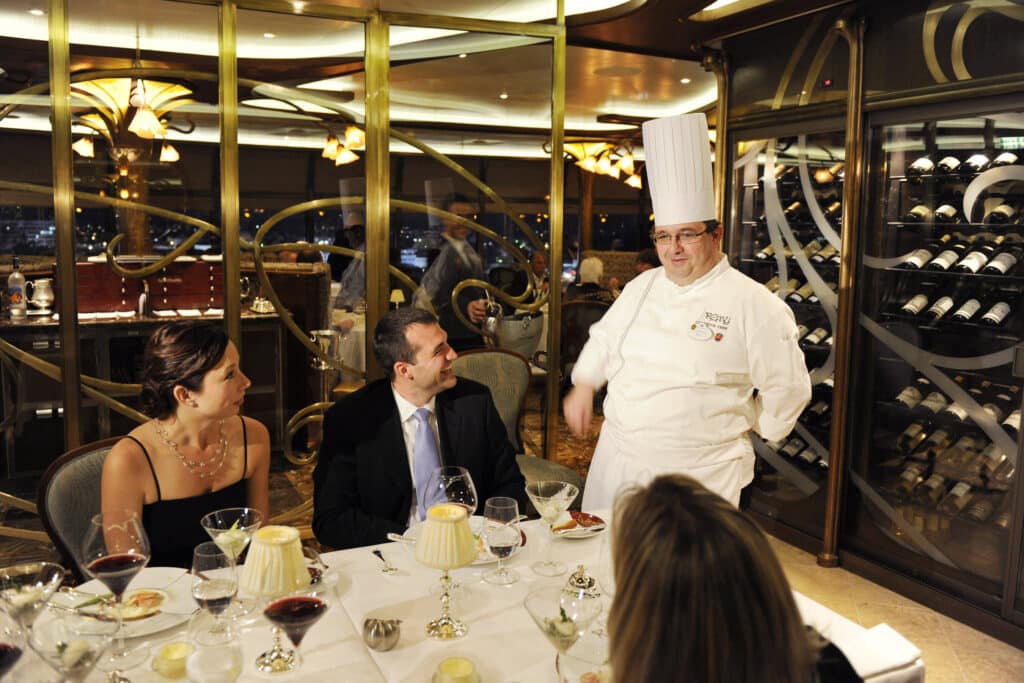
17 306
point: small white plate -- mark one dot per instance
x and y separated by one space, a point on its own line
585 525
177 608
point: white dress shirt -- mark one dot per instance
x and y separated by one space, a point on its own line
406 414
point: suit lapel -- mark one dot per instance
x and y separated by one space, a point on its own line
394 459
448 429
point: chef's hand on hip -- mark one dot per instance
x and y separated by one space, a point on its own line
578 408
477 310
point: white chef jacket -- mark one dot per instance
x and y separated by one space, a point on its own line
681 364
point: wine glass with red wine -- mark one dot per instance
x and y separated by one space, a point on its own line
114 551
12 643
294 614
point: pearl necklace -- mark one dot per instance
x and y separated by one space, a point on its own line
203 469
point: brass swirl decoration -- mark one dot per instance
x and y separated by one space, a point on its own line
929 28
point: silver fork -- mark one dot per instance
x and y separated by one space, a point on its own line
388 567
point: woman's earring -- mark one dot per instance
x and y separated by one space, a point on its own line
192 403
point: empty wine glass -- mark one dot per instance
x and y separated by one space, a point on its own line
12 642
501 536
72 644
214 585
454 485
25 588
221 664
294 614
551 499
562 615
114 551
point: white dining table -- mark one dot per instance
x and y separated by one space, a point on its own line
503 642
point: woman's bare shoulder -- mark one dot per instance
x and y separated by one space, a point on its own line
256 432
128 457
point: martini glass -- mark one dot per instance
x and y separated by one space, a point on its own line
25 588
114 551
232 529
294 614
71 644
562 615
551 499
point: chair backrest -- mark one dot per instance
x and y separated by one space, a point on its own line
577 317
69 496
507 375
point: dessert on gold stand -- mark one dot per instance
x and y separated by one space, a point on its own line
446 542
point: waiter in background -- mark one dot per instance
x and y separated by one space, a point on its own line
686 345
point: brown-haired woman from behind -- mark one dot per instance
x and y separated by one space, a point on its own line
700 596
197 454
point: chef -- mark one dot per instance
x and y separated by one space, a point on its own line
695 354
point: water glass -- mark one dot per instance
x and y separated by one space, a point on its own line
502 536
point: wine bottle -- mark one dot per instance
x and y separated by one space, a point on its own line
1012 423
911 437
795 210
931 490
1004 159
912 394
976 163
921 166
915 304
968 308
947 165
801 294
773 284
816 337
918 258
824 254
827 176
1001 402
980 253
957 499
947 213
998 311
801 330
943 304
1003 214
793 447
919 214
1003 262
834 212
992 458
765 253
950 255
954 410
932 404
909 479
819 414
811 248
936 442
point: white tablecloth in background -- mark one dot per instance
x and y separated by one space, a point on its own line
351 344
503 641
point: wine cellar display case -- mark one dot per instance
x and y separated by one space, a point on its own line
788 194
932 478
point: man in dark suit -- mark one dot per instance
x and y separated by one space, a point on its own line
364 481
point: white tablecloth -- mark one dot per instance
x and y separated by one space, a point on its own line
503 641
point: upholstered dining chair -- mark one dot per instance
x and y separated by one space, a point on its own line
507 375
69 495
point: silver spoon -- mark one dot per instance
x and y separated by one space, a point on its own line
388 568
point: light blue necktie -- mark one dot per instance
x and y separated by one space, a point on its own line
425 460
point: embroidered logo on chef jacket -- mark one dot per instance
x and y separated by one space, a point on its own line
710 326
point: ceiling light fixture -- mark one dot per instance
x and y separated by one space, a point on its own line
330 148
605 158
37 12
684 81
345 156
270 35
355 138
463 55
503 95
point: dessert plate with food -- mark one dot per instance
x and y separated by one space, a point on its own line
578 525
158 598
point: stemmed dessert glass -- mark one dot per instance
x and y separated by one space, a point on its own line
214 585
25 588
551 499
12 642
455 485
114 551
501 536
562 615
294 614
70 643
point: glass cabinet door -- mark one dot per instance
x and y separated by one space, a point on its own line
788 210
935 451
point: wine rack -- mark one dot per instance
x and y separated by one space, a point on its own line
790 209
942 278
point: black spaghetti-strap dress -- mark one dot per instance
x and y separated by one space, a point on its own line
173 525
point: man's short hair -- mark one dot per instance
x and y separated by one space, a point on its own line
591 270
455 198
389 343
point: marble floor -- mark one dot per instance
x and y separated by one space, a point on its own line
952 652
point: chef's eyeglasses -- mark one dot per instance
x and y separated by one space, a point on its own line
664 239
